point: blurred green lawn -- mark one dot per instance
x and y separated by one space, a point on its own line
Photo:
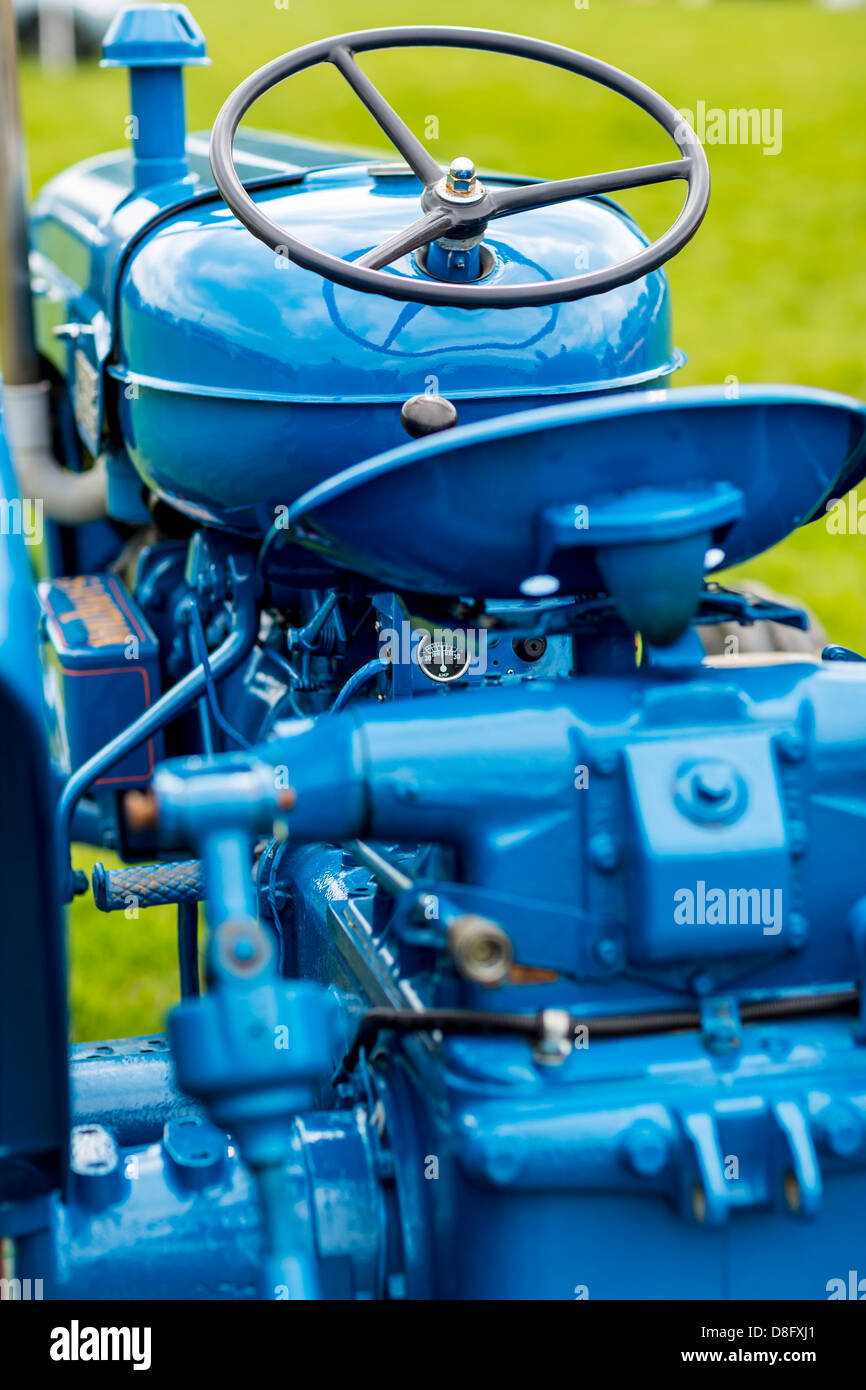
772 289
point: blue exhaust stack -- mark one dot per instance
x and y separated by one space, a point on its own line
156 42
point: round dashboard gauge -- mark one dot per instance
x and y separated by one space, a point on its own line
443 656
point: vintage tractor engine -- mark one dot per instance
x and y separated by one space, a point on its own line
377 560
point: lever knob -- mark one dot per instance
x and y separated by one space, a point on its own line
427 414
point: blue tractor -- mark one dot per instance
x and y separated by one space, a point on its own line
378 549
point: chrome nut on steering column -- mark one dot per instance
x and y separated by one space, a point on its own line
461 184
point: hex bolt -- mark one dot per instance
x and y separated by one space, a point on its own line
775 1046
461 178
710 790
556 1041
96 1171
713 782
608 952
645 1148
840 1130
604 852
792 747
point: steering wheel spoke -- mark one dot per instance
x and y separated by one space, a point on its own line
419 159
503 201
427 228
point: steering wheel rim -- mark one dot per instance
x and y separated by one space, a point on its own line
442 217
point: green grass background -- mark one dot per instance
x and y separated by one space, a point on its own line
772 289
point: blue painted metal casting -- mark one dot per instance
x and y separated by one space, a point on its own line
536 937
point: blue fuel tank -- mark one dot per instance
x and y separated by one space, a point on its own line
240 380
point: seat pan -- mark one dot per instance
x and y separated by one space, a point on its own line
459 513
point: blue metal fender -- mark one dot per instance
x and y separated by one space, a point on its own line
33 1065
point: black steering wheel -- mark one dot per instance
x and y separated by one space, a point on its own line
455 206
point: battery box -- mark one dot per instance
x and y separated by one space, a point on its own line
102 663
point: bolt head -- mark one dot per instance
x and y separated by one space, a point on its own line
792 747
702 982
92 1150
645 1146
713 781
604 852
710 790
460 178
841 1130
608 952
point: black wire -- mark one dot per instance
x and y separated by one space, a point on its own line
210 688
475 1023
